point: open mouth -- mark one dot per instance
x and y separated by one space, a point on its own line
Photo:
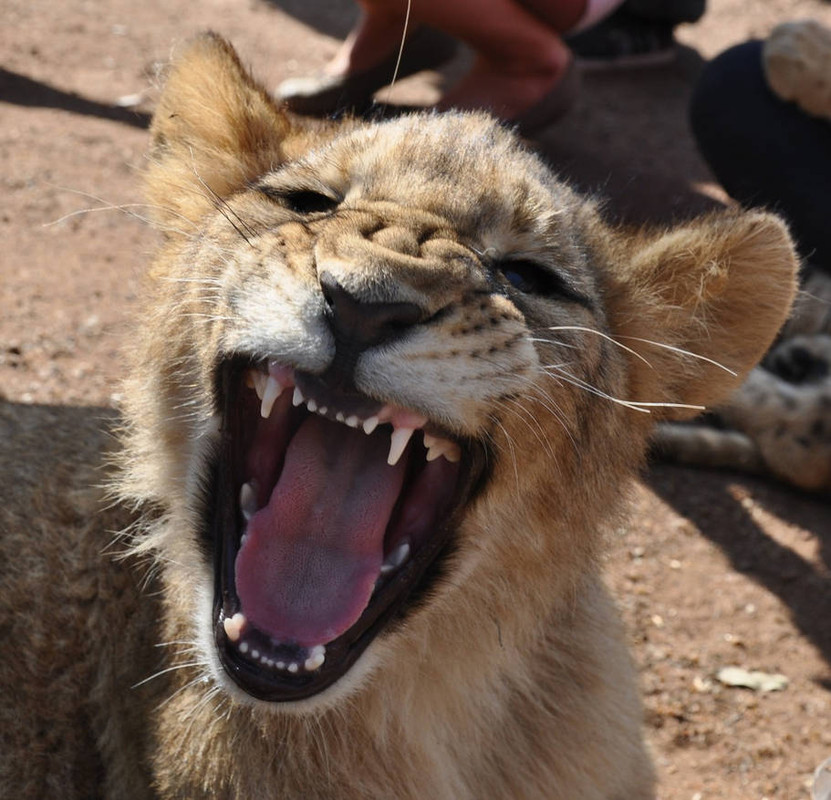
332 514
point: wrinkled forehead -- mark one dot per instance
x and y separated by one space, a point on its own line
463 167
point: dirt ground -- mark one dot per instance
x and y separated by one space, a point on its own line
714 569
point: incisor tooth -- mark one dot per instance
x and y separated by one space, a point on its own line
398 443
311 405
352 421
234 625
271 392
370 424
297 398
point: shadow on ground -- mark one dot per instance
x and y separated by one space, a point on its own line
712 501
23 91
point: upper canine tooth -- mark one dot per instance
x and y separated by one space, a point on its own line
371 424
255 379
297 398
273 389
398 443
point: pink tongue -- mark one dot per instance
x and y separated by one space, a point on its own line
311 558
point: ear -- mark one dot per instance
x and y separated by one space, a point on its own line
710 296
214 130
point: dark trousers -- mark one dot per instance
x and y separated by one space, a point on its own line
765 152
673 11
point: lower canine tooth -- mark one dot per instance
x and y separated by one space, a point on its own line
234 625
247 501
398 443
396 558
314 661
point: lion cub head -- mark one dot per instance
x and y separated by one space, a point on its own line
393 377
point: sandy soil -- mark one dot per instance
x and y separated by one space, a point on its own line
714 570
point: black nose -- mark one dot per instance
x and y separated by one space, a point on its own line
358 325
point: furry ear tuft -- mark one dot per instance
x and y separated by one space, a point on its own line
214 130
719 288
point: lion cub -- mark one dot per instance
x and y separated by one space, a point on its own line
391 384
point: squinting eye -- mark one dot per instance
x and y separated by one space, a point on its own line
301 201
305 201
534 279
530 278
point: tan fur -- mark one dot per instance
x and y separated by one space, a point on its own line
777 422
511 680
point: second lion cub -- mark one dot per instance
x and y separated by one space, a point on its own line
391 384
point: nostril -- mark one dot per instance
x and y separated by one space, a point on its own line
360 323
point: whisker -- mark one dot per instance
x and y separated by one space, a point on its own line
635 405
401 46
683 352
223 207
193 682
603 336
161 672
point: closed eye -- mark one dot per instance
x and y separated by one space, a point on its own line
534 279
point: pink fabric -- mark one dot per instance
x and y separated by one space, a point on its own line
596 10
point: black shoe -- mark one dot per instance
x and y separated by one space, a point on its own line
624 40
